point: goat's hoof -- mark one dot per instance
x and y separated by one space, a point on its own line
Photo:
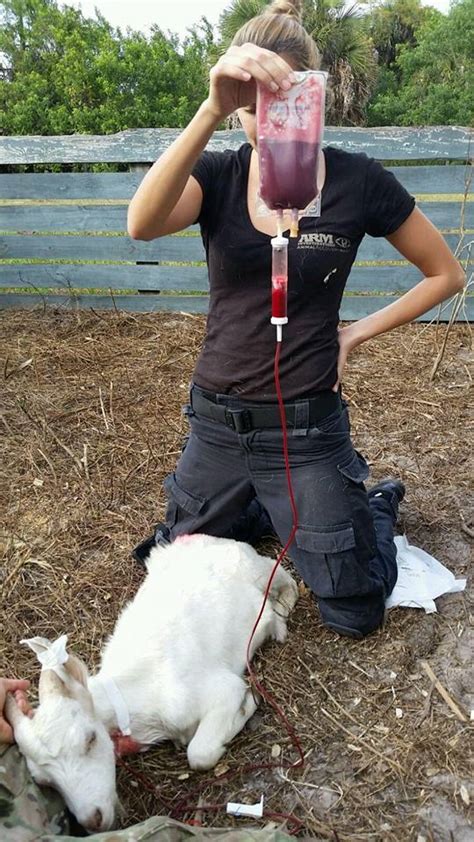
200 760
287 599
280 631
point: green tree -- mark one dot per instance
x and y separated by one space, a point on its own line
395 22
63 73
346 50
436 75
392 24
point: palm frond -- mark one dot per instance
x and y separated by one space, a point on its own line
346 49
238 13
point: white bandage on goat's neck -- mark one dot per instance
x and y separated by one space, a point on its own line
52 655
118 703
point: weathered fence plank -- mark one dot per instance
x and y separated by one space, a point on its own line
445 215
145 145
136 303
176 249
77 185
353 306
384 279
44 186
96 276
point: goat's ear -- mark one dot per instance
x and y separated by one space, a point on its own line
77 670
52 655
75 681
72 683
61 673
51 684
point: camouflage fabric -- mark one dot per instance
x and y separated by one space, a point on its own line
162 829
29 813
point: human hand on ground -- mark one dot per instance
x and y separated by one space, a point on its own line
17 686
233 79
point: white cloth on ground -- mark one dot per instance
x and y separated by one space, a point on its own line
421 578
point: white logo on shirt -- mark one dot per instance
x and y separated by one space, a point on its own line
325 241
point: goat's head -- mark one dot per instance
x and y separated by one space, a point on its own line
65 744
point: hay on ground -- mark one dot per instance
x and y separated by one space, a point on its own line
92 424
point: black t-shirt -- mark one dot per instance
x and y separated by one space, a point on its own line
359 196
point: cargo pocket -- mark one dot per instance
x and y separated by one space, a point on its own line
357 470
180 499
333 569
354 473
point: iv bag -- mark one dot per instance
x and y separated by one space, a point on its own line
290 126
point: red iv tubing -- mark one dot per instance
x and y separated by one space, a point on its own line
253 678
279 318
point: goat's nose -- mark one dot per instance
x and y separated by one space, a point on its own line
95 821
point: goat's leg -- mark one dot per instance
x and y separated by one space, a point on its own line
12 712
221 724
19 721
284 591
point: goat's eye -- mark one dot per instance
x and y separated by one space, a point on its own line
91 741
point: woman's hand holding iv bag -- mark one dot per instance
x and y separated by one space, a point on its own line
233 79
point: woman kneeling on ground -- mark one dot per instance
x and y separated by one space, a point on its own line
233 461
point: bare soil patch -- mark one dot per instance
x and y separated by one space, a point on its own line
91 425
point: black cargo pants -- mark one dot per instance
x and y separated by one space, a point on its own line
343 550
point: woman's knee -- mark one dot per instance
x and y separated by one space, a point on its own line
351 598
354 616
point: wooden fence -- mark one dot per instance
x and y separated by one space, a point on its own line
63 235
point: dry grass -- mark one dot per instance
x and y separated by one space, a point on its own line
91 425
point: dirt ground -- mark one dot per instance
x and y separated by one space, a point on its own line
92 424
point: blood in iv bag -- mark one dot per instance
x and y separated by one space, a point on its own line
288 173
290 126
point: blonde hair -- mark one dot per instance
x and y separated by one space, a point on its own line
279 28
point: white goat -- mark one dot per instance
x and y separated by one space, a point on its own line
172 670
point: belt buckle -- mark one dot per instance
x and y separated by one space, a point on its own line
239 419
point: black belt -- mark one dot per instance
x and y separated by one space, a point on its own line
303 413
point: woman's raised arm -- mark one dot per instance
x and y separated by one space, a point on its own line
169 198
